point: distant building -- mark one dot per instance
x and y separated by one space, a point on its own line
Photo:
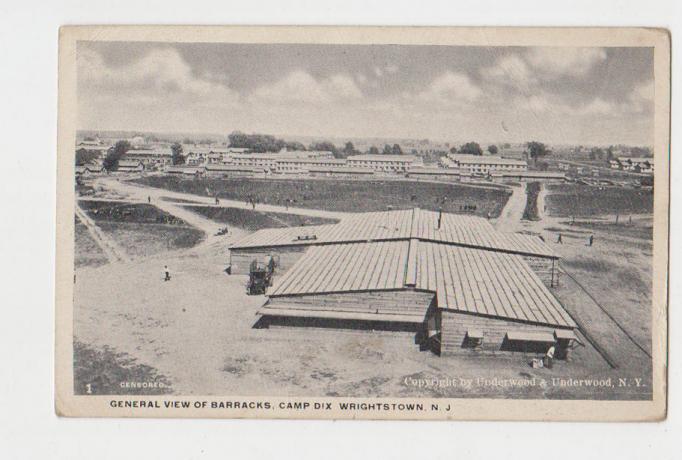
88 170
184 171
228 170
270 161
383 163
634 164
151 158
304 165
485 164
199 155
130 166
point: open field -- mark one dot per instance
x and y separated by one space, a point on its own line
87 251
255 220
197 331
343 195
141 229
564 200
616 273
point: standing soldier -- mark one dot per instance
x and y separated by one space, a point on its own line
149 199
591 239
166 273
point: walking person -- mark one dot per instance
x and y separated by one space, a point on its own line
149 199
559 239
166 273
591 239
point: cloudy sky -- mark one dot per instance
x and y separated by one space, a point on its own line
556 95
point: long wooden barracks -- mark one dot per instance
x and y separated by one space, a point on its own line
461 285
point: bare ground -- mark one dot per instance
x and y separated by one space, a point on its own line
197 331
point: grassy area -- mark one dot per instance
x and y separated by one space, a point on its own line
564 200
113 211
141 229
142 240
343 195
255 220
87 251
531 210
103 371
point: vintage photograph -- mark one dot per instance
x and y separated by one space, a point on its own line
280 224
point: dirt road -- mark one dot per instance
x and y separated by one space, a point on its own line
510 218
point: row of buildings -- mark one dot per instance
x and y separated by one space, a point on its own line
219 161
483 164
643 165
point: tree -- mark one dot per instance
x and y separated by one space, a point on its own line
596 153
396 150
609 153
537 150
349 150
492 149
326 146
85 156
471 148
373 150
387 150
258 142
293 146
177 157
114 154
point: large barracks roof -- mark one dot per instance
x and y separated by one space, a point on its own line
455 229
463 279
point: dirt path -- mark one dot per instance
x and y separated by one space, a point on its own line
542 194
113 251
511 215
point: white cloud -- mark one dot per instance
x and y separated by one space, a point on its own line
510 70
561 61
642 97
598 106
535 103
451 87
160 73
300 86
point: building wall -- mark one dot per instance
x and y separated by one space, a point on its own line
386 302
542 266
285 257
454 327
